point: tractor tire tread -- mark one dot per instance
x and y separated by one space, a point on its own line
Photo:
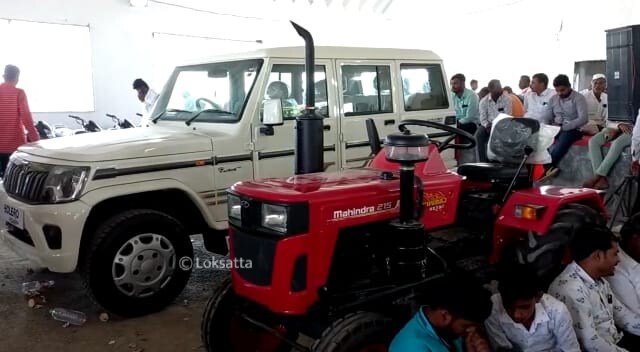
349 325
212 305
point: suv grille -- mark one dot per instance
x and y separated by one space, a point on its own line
23 181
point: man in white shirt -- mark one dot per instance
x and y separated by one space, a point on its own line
625 283
491 106
525 319
618 134
524 84
147 96
596 311
536 101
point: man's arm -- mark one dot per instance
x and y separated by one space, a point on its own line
625 318
583 324
508 106
564 332
25 117
635 140
472 110
583 114
484 114
497 336
624 291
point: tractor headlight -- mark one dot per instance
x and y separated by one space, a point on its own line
274 217
234 207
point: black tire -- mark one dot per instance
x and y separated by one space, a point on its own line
214 328
566 224
356 332
98 266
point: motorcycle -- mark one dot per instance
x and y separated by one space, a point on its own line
120 124
87 126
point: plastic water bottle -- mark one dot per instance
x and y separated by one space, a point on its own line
35 286
68 316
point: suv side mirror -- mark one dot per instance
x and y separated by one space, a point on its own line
271 116
272 112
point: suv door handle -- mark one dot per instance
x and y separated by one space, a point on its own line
327 127
389 122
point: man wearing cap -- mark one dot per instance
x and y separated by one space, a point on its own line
619 135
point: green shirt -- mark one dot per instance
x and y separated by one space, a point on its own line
466 106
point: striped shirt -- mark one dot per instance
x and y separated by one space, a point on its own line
15 117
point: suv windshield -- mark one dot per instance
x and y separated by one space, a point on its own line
220 89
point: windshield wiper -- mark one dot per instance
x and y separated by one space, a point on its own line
155 119
188 122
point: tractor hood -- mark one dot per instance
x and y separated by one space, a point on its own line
121 144
326 186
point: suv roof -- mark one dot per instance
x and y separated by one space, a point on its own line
328 52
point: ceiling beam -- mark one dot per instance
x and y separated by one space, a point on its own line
386 7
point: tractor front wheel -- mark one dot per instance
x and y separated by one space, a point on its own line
357 332
545 253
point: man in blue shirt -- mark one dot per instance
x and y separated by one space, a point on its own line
465 102
450 323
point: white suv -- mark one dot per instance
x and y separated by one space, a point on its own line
119 206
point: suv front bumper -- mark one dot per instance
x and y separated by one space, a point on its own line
31 242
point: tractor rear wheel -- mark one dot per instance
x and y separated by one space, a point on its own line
223 328
357 332
545 253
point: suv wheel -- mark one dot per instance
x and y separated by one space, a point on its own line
133 266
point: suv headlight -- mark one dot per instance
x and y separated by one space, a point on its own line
274 217
65 183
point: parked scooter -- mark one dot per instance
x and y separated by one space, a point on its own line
120 124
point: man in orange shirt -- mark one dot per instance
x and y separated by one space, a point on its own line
516 104
15 117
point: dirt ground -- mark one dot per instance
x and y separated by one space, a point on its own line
177 328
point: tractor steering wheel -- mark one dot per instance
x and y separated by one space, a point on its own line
450 132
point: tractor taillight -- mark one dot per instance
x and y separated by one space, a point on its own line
529 211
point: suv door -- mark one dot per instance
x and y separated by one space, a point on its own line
367 92
274 154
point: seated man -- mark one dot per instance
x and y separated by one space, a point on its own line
526 319
596 311
491 106
625 283
450 323
569 110
597 126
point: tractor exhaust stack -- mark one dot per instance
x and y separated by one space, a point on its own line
309 126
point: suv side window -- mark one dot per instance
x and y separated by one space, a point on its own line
287 82
423 87
366 90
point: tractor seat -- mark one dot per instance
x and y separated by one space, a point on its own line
488 172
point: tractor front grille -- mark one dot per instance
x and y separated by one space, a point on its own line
24 181
260 250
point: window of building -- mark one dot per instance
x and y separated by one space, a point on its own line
367 89
423 87
288 82
54 61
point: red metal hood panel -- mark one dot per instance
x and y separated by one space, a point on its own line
325 185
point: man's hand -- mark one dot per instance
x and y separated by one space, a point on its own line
557 120
612 134
635 168
475 342
625 128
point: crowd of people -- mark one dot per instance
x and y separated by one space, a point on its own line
593 305
576 113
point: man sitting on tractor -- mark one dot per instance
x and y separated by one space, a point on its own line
625 283
596 311
450 322
526 319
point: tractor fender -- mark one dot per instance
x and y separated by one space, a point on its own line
550 199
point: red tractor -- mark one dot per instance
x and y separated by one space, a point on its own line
339 257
